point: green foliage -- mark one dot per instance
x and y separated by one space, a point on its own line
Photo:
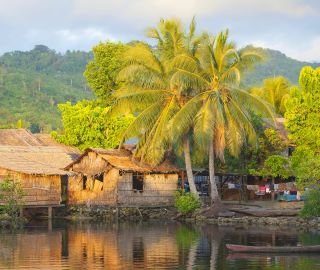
275 91
186 236
186 202
85 125
311 206
101 72
303 110
276 166
305 163
32 83
275 143
11 194
303 122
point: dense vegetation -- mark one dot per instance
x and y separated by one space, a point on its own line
303 122
86 124
32 83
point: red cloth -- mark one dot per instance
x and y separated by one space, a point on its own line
262 189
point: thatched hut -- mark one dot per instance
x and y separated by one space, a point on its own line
113 177
39 169
18 137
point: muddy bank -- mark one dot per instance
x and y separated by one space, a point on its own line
114 213
111 214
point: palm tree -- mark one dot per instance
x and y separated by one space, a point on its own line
221 113
148 90
275 91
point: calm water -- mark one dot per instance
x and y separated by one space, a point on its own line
149 246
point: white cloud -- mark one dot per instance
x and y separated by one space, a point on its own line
288 25
151 9
79 35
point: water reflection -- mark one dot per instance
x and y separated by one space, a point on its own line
149 246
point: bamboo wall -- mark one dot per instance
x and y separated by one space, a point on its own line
96 193
158 189
38 190
117 188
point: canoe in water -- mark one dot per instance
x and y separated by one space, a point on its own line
257 249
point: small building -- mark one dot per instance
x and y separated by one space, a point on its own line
113 177
39 169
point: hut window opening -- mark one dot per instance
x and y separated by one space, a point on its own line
137 182
99 177
84 182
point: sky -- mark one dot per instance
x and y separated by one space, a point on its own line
291 26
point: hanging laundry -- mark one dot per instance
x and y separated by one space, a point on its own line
253 187
289 185
231 186
268 190
271 186
282 187
262 189
237 186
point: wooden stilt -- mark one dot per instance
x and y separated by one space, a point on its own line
49 212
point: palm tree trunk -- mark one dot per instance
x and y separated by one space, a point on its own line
187 158
215 199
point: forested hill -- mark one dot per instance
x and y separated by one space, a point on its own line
32 83
276 64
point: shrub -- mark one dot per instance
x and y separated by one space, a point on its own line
11 194
311 206
186 202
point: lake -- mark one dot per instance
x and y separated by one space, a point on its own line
152 245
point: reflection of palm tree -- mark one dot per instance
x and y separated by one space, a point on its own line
188 238
192 254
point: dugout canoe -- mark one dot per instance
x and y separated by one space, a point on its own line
273 249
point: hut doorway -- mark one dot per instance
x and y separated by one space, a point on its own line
64 189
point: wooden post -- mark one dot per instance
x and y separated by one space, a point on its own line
21 212
49 212
272 192
182 180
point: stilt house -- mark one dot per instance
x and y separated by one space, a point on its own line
36 165
113 177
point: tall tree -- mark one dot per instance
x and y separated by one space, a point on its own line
275 91
303 122
102 71
148 89
220 113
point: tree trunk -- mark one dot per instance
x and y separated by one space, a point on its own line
215 199
187 158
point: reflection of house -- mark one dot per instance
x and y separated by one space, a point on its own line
36 164
111 176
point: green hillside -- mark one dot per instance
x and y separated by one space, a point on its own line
32 83
276 64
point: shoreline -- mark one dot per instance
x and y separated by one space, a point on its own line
114 214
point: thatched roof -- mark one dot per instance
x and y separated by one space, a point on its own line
279 127
18 137
47 140
40 160
122 159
